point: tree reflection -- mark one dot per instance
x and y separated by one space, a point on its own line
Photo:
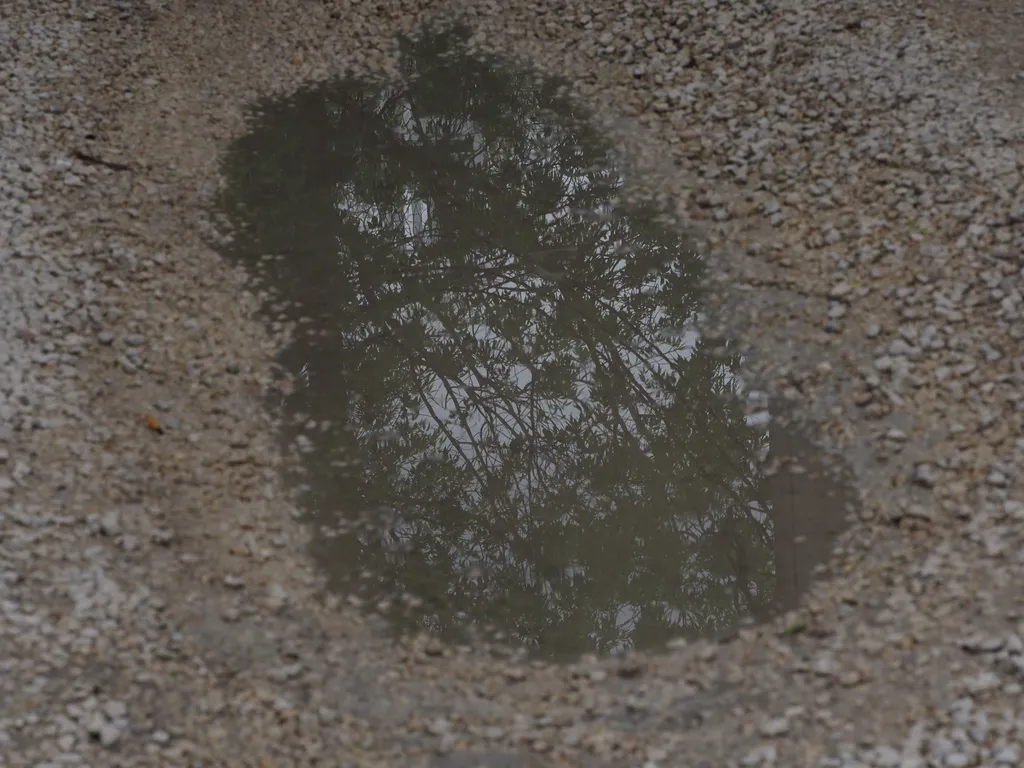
507 362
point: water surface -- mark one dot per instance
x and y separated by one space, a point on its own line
509 421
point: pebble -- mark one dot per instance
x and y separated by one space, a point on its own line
925 475
775 727
109 734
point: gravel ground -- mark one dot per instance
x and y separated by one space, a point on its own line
855 172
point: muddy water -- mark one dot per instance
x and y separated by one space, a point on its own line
510 425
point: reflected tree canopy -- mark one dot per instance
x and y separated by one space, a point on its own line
501 364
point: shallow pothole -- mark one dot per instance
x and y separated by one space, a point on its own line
509 424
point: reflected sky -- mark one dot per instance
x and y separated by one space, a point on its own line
510 425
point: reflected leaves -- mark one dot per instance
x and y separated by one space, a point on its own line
508 358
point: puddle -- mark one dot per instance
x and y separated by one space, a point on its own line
509 424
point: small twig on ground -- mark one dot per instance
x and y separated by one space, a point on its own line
93 160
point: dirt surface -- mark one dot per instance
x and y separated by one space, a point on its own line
858 183
994 30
